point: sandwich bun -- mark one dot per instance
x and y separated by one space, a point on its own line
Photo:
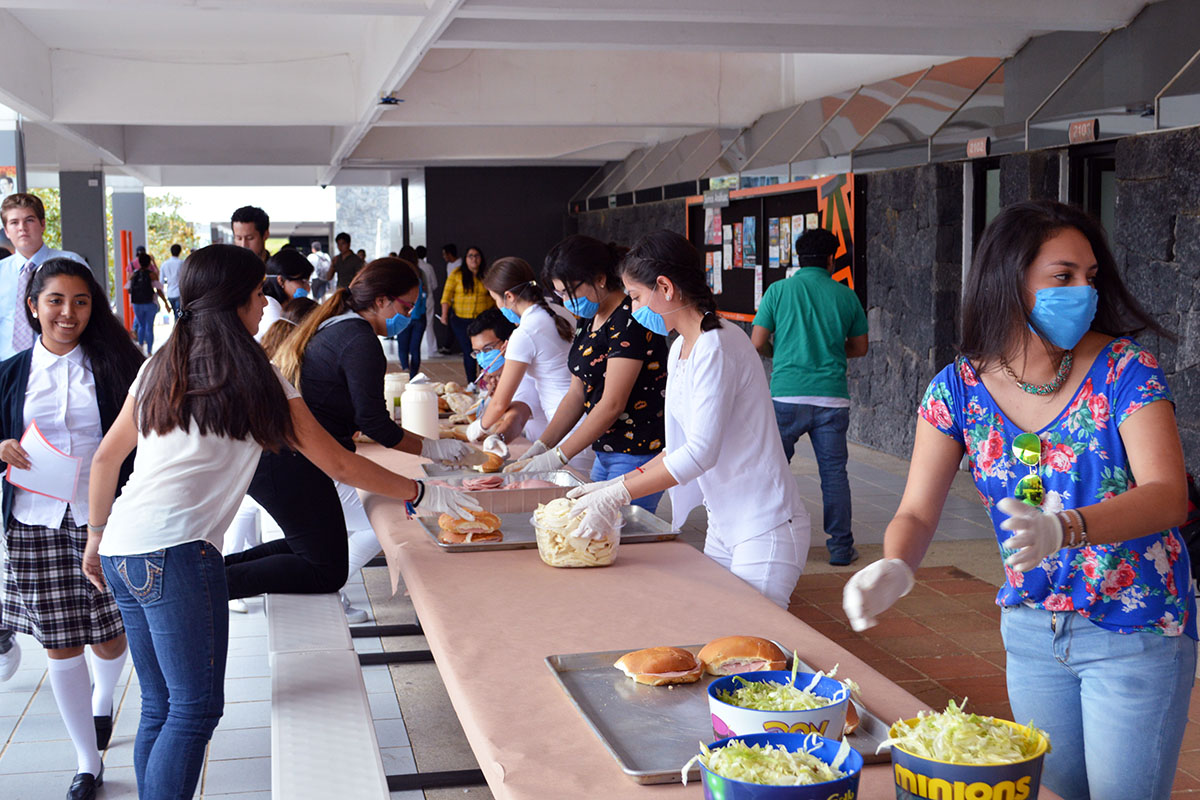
851 720
484 526
451 387
730 655
660 666
492 463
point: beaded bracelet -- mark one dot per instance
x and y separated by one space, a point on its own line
1083 536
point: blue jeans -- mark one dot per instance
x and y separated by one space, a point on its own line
460 327
175 304
614 465
143 323
175 609
826 428
408 343
1115 705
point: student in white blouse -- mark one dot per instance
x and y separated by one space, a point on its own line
71 383
201 412
722 444
537 349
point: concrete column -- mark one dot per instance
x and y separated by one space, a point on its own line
129 214
82 198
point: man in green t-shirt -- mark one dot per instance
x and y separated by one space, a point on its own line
818 324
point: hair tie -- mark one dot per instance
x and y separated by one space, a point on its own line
186 314
288 321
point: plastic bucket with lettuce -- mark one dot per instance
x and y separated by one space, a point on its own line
955 754
779 766
826 716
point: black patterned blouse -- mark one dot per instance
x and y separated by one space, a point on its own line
639 429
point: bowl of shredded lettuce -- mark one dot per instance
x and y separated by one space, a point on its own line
776 701
943 749
777 766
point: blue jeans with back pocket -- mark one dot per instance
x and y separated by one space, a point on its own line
175 608
826 429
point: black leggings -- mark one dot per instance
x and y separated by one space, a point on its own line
313 557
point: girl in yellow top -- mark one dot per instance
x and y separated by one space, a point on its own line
466 295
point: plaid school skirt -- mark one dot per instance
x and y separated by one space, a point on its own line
45 592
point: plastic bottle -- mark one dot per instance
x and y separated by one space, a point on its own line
419 410
393 388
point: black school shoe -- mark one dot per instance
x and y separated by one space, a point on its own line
85 785
103 730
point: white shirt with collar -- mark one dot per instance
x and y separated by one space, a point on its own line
61 397
168 273
10 272
722 441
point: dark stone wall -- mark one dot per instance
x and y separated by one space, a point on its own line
627 224
1031 175
1157 246
914 268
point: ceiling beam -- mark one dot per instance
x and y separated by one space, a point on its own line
26 84
732 37
374 8
1031 14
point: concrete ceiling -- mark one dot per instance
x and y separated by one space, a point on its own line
196 92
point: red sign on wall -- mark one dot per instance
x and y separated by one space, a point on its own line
1085 130
980 147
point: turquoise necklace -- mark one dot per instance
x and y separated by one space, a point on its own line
1064 369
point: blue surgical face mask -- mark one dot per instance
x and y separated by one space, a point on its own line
1065 313
582 307
511 316
650 320
300 292
489 360
397 324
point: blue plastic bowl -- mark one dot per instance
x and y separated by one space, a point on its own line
731 720
717 787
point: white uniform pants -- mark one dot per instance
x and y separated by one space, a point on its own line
770 561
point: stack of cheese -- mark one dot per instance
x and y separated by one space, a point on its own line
555 524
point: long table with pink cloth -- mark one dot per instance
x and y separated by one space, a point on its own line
491 618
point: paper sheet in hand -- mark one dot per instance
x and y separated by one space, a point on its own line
53 474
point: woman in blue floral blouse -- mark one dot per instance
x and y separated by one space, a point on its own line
1098 609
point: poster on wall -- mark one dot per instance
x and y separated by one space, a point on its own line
8 181
758 285
797 226
708 269
792 271
773 242
737 244
712 226
727 245
812 221
718 264
785 241
749 241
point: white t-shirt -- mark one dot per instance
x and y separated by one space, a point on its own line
185 487
168 273
536 343
271 314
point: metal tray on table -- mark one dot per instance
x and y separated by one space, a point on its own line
639 526
507 500
652 731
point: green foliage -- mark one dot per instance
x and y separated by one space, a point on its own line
165 226
51 200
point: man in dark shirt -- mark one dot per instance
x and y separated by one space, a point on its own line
346 263
251 229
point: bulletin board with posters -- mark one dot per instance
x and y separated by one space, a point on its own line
747 244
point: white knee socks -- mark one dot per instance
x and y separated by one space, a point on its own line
105 673
364 546
72 693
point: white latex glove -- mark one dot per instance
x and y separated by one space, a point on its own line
1035 534
439 499
546 462
447 450
536 449
588 488
874 589
476 431
494 444
601 509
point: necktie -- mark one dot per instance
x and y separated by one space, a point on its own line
22 334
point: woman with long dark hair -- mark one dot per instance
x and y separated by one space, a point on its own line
722 445
201 412
465 295
71 384
335 360
537 350
1059 411
618 367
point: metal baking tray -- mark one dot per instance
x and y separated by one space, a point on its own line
652 731
512 501
639 526
463 467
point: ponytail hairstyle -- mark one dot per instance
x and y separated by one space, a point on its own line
288 264
514 275
581 259
292 313
468 279
211 372
114 359
386 277
667 254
